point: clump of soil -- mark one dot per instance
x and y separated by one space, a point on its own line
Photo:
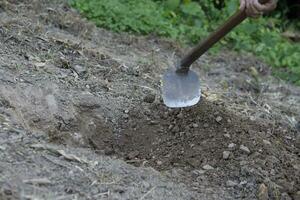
96 95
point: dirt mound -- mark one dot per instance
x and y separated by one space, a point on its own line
65 81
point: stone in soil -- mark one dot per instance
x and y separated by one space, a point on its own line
230 183
195 125
226 154
219 119
245 149
231 145
267 142
149 98
80 70
207 167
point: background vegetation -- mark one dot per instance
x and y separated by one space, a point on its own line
189 21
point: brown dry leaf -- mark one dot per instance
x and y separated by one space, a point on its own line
263 192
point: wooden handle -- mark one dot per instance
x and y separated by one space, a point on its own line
201 48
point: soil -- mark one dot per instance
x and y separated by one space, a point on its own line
82 116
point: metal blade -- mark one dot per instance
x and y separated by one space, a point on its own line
180 89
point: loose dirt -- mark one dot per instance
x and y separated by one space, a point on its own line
82 117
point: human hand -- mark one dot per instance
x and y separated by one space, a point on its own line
255 9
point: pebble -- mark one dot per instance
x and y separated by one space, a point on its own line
219 119
207 167
80 70
180 116
205 125
245 149
231 145
159 162
227 135
195 125
226 154
263 192
267 142
243 182
230 183
197 172
288 137
149 98
146 184
133 154
2 148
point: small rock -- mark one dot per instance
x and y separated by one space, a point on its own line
149 98
180 116
133 155
146 184
243 182
230 183
272 172
2 148
263 192
226 154
195 125
245 149
267 142
159 162
197 172
219 119
231 145
227 135
152 122
207 167
126 111
288 137
39 64
64 62
80 70
194 162
205 125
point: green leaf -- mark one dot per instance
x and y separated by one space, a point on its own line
172 4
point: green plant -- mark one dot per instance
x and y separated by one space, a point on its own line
188 21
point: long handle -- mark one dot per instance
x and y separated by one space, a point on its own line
201 48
